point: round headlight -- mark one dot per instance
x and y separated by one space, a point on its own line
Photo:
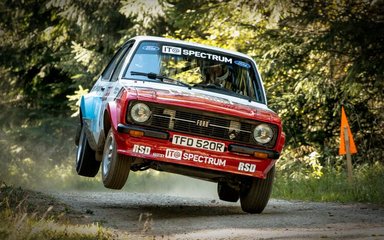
140 112
263 133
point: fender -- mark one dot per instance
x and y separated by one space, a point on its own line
89 110
114 113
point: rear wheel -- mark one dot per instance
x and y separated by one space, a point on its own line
115 167
227 193
86 163
255 193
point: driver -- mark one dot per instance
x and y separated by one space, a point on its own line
217 74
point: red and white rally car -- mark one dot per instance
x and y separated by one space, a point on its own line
183 108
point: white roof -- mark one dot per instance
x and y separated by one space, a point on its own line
192 44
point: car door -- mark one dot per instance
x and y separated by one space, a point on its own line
107 90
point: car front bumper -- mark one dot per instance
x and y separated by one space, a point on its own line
157 145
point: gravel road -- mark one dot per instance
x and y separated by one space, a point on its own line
161 216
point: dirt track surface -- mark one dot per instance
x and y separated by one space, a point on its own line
159 216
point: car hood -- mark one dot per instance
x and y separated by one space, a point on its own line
202 100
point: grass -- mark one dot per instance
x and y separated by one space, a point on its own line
333 186
14 226
30 215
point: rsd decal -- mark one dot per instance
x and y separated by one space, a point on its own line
141 149
247 167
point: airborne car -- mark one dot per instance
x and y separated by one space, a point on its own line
183 108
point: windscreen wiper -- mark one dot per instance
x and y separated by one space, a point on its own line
152 75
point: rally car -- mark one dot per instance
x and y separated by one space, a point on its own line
183 108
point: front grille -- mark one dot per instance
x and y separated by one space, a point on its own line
202 123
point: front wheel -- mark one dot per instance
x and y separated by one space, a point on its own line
115 167
86 163
255 193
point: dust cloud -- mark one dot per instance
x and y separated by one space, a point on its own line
152 181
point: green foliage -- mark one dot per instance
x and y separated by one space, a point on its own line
51 47
300 163
28 60
333 186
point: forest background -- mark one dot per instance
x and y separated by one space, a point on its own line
314 57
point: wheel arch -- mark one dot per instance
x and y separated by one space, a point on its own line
110 117
106 122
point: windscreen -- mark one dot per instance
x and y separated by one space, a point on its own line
200 68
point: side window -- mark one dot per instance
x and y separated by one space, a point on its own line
106 75
120 63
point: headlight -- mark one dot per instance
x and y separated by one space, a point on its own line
263 133
140 112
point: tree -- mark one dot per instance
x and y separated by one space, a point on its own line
51 47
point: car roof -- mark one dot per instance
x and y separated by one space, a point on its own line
191 44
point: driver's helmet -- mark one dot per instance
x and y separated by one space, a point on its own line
216 74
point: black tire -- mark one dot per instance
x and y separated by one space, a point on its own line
78 130
255 193
115 167
86 163
77 137
227 193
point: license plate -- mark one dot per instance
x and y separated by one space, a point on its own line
198 143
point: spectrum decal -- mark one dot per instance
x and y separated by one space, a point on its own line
194 53
204 159
208 56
